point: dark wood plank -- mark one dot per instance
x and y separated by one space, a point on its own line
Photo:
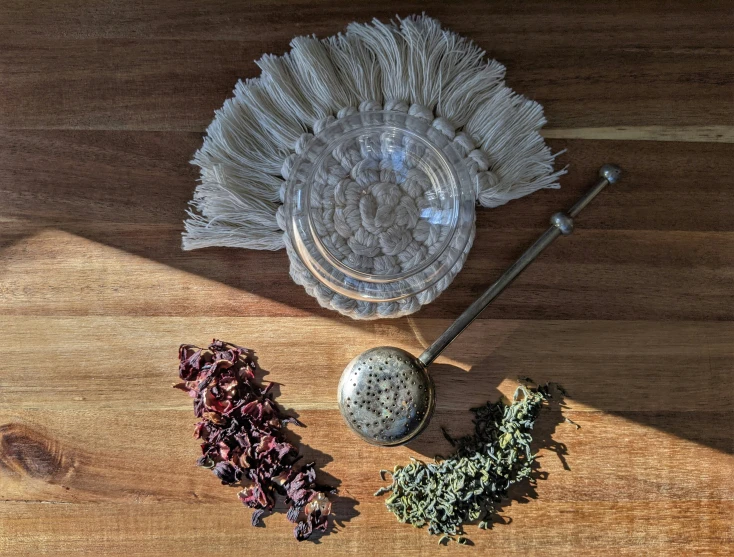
115 67
54 177
562 23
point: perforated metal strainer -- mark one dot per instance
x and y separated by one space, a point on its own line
386 395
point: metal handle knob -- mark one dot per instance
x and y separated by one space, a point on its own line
561 224
608 174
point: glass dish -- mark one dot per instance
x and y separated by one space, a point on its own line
379 206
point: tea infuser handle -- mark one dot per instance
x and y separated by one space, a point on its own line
561 224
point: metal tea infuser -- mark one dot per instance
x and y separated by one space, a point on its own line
386 395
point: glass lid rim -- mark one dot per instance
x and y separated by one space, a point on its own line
334 274
385 279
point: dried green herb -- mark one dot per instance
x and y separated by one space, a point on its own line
468 485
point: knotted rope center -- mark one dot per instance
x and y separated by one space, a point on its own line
374 206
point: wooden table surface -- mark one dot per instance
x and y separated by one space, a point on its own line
102 105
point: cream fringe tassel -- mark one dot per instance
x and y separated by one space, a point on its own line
376 65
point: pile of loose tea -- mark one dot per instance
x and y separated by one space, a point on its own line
467 486
243 438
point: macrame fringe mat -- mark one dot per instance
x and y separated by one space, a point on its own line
409 65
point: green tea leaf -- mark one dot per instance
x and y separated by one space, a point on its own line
466 486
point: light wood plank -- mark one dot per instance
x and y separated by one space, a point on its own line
694 134
144 474
593 274
617 366
623 528
86 454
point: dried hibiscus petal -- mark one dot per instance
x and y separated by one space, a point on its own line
228 473
243 442
257 515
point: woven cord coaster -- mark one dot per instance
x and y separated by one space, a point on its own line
370 210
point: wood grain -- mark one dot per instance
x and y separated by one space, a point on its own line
617 366
703 134
114 498
651 237
94 66
102 105
629 527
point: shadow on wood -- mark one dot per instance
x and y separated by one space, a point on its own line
636 372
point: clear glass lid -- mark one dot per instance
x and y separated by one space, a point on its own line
379 206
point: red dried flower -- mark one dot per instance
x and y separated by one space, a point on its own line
243 440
